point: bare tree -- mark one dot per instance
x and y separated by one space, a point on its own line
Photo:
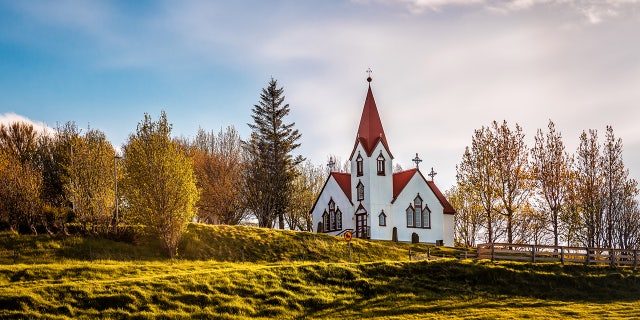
476 175
513 174
551 170
588 188
219 166
306 188
467 221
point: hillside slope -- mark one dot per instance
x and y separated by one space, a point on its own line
207 242
404 290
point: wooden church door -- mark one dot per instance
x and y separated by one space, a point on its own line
361 226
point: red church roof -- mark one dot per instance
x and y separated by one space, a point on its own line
448 208
401 179
344 181
370 131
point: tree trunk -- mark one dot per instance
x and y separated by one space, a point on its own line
280 220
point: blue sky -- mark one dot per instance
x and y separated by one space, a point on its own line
442 68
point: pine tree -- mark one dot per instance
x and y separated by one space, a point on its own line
271 165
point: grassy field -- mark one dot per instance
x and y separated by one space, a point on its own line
306 280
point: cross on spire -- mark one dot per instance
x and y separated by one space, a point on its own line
369 75
432 174
417 160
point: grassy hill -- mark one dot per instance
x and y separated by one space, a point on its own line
210 282
206 242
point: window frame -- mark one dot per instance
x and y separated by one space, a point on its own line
381 164
359 166
382 219
410 222
360 191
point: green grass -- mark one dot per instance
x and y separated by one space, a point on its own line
290 275
206 242
196 289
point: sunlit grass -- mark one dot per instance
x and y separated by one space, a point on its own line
288 275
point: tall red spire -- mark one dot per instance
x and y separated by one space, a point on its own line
370 131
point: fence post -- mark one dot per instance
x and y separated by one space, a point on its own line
587 259
562 255
533 253
492 251
428 253
612 257
409 254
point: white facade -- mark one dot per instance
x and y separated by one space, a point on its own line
407 202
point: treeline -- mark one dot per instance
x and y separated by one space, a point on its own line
74 182
509 192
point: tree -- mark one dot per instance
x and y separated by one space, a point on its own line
306 188
513 174
19 140
21 186
551 170
467 221
90 186
159 183
619 196
20 205
476 175
219 166
588 188
271 167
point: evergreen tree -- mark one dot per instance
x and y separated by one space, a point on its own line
271 165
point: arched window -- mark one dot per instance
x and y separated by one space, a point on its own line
417 206
382 219
332 215
426 217
381 162
332 205
359 166
325 221
410 214
338 219
360 191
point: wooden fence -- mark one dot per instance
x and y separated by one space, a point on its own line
540 253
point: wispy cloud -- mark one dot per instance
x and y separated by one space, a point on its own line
594 11
39 126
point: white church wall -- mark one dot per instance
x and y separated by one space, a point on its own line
333 191
416 186
448 230
381 192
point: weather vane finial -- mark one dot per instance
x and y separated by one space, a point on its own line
369 73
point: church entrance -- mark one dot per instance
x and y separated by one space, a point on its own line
362 230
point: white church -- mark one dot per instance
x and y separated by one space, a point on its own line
373 202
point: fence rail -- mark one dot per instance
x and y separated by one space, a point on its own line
541 253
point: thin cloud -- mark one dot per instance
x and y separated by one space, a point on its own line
39 126
594 11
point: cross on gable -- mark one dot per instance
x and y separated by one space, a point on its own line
417 160
331 164
432 174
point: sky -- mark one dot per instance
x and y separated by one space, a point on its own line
441 69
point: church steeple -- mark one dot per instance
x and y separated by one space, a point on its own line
370 131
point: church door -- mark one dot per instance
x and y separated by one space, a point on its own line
361 226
